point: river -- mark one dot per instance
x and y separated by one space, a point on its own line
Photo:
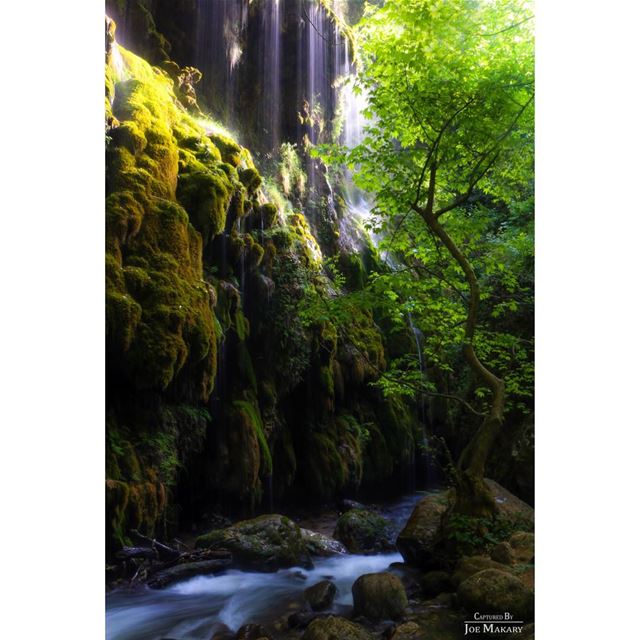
196 608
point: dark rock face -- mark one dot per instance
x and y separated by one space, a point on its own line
334 628
320 596
493 591
364 531
266 543
379 596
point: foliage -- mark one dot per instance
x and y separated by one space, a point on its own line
480 534
450 87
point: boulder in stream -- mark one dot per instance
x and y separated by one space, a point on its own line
266 543
364 531
320 545
320 596
420 535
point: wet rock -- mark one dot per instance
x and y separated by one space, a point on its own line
503 553
379 596
335 628
407 631
433 624
436 582
187 570
266 543
470 565
418 539
320 596
302 619
347 505
364 532
493 591
523 543
320 545
252 632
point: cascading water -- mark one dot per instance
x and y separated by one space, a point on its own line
221 25
323 77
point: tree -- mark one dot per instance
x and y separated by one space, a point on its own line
451 89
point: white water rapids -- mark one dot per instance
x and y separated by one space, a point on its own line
196 608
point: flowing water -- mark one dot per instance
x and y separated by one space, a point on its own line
196 608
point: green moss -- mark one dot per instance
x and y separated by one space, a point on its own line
252 415
291 177
250 178
167 189
206 196
230 151
245 367
268 214
241 324
353 270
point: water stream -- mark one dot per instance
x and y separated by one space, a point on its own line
196 608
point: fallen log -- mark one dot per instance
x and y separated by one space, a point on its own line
165 577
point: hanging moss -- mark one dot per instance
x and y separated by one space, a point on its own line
250 178
251 413
268 214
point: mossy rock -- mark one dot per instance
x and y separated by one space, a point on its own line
230 151
494 592
364 532
268 214
379 596
250 178
334 628
320 596
418 540
266 543
469 566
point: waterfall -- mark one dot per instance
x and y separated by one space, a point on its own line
271 72
221 27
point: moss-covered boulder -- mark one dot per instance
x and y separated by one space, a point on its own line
335 628
418 540
379 596
523 545
266 543
503 553
364 531
494 592
470 565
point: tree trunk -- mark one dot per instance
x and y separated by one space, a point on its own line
472 496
